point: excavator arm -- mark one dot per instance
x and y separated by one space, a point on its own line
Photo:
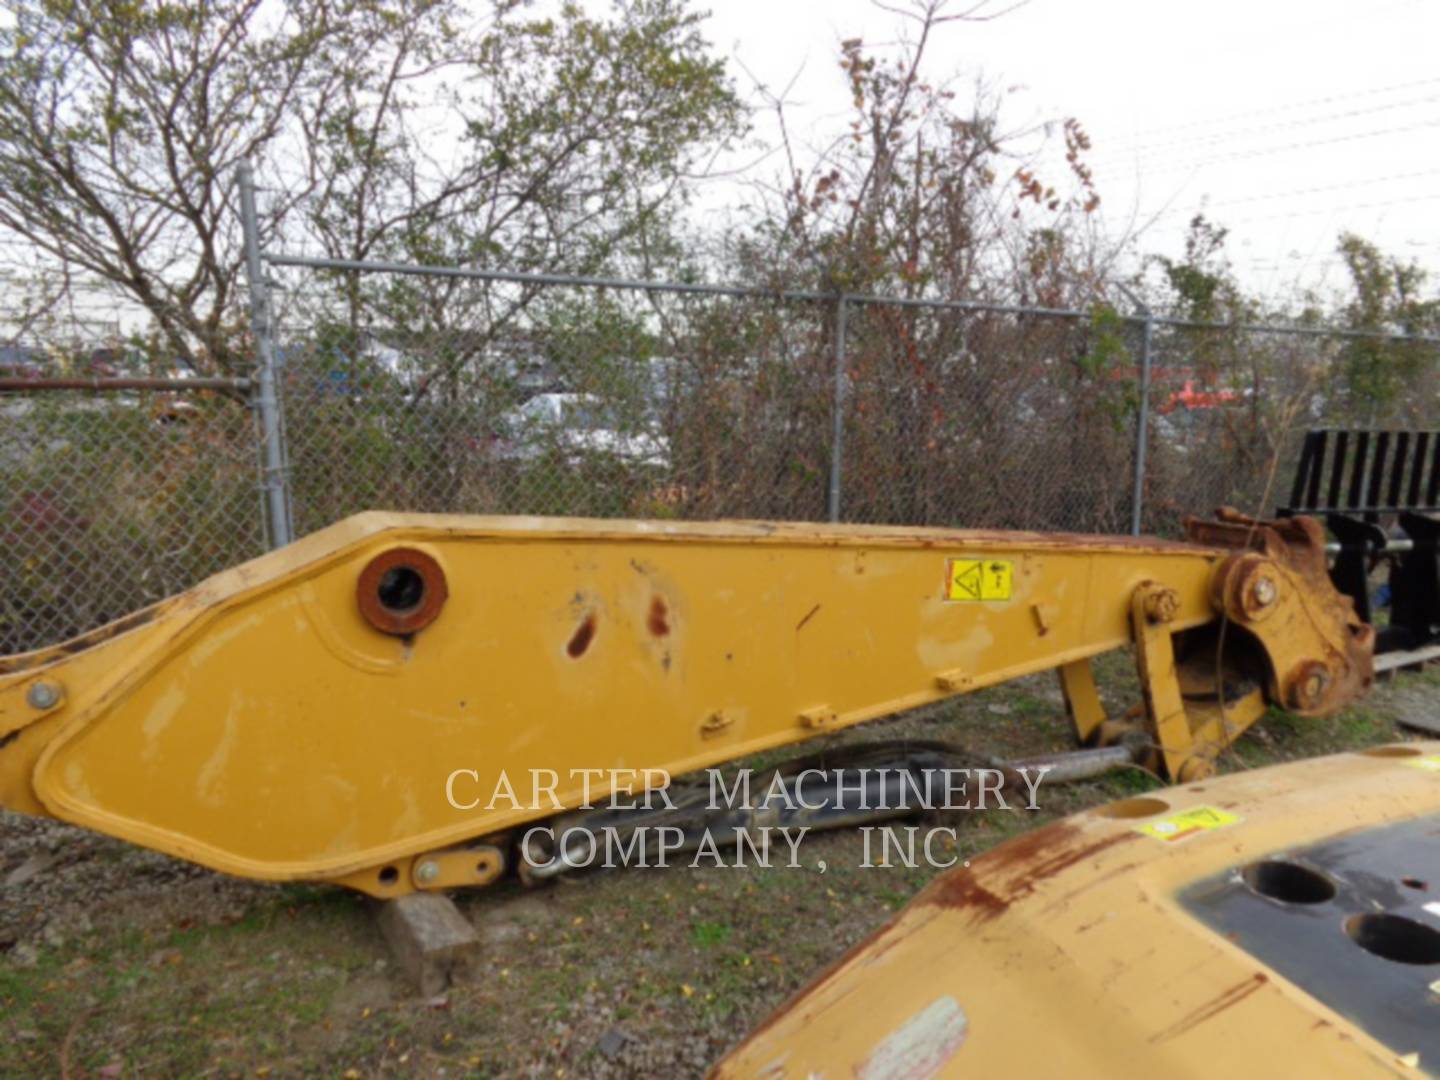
353 707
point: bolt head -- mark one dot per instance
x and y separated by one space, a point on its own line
42 695
1309 686
1162 606
1264 592
427 871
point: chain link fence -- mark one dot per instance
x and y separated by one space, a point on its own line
455 391
579 402
632 399
983 419
654 401
115 498
645 402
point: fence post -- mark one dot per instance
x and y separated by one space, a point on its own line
837 439
1142 423
274 470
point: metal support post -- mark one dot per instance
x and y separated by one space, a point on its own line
837 439
274 472
1142 424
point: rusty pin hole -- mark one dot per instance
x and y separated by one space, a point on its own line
389 876
401 591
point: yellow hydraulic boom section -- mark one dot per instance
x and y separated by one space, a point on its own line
325 711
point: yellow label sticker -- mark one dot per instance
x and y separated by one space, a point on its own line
978 579
1432 763
1188 823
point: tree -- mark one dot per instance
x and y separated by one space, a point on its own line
120 128
927 195
1201 284
566 135
1201 288
1385 298
923 193
573 139
414 128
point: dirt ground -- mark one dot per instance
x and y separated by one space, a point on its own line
119 962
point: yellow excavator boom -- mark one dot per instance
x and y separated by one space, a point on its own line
345 708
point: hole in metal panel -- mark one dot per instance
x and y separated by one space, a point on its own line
1288 882
1396 938
401 589
1143 806
389 876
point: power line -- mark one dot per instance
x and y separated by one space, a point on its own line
1250 114
1225 136
1206 208
1287 148
1327 235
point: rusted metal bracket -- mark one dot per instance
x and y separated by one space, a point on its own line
1283 634
1188 729
1276 588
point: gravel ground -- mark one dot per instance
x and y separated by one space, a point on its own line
57 881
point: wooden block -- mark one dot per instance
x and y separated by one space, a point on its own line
429 940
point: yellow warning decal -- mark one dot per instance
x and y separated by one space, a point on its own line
978 579
1188 823
1432 763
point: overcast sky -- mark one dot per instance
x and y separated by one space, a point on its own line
1291 119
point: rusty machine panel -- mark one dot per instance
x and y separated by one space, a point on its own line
1280 922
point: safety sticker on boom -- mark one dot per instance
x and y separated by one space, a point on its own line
978 579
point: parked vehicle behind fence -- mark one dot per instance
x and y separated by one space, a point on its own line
578 426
